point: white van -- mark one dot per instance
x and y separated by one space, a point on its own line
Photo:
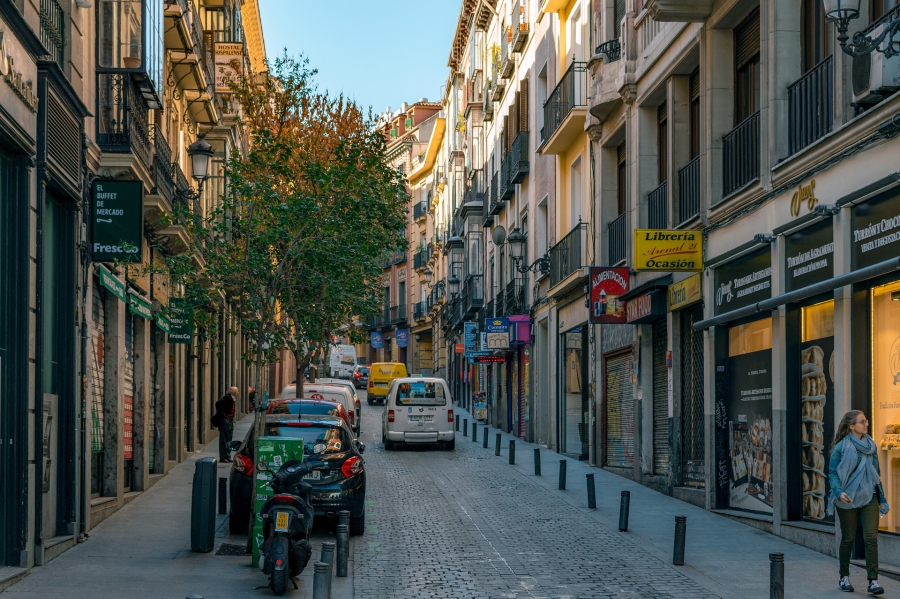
342 361
418 410
327 392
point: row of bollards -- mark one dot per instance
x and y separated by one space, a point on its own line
776 586
333 554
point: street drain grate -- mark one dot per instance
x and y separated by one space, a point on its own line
227 549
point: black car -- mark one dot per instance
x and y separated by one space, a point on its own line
341 487
360 377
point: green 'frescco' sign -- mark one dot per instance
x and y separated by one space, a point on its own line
116 216
181 328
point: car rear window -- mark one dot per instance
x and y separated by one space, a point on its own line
335 439
421 394
304 408
364 370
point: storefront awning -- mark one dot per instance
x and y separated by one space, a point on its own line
801 294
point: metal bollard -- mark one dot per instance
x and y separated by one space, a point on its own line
223 495
592 492
776 576
344 518
623 511
537 461
474 432
485 438
328 558
194 597
497 445
465 427
320 581
512 452
562 475
343 549
457 423
680 532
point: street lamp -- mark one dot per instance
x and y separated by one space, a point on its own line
453 281
841 12
201 154
428 276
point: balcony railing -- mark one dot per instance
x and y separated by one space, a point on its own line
473 294
570 93
420 260
507 189
810 105
515 297
374 322
488 107
497 85
420 210
611 49
203 49
519 26
658 207
475 187
495 195
420 310
53 35
507 62
122 119
518 158
396 315
689 191
488 310
500 303
741 155
617 236
567 256
163 175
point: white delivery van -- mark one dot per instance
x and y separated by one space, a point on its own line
418 410
327 392
342 361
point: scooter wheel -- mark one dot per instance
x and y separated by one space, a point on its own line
279 581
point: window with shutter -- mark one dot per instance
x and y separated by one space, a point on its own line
746 58
621 177
523 105
815 38
695 113
662 142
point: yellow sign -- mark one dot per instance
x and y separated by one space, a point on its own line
658 249
804 193
685 293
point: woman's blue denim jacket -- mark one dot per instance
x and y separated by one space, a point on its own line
837 453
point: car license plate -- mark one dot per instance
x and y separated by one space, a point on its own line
314 475
421 418
381 384
281 521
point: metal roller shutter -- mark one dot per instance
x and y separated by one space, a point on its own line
98 384
692 422
746 40
660 400
127 445
619 412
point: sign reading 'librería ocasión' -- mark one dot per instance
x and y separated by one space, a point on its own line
660 249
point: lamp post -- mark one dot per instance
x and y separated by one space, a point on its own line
200 153
841 12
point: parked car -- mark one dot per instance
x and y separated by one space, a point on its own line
380 376
352 389
418 410
360 377
342 393
310 406
342 486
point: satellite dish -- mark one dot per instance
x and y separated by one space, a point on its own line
498 235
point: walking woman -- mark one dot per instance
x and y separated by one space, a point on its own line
856 491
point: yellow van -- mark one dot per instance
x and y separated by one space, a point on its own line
380 376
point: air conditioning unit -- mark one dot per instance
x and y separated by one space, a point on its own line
874 75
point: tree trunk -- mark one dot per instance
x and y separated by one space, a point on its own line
259 416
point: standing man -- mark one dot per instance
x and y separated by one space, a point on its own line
226 407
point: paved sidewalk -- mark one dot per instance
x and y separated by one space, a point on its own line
725 556
143 550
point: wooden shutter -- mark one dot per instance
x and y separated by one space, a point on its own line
515 116
523 105
746 40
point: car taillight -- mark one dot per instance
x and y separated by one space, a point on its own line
390 415
242 464
357 376
283 499
449 415
352 466
352 417
371 383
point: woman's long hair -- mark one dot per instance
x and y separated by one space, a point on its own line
843 428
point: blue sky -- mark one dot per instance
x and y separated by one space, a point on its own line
378 52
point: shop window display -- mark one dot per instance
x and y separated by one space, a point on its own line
816 405
885 427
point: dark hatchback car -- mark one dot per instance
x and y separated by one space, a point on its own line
361 377
340 486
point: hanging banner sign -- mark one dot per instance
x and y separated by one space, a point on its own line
139 305
163 323
470 333
648 307
110 282
686 292
497 330
490 359
459 348
117 209
229 65
659 249
377 341
607 284
182 321
402 337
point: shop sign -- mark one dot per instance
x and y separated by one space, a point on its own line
111 282
14 78
476 354
607 284
163 323
876 231
139 305
805 194
402 337
686 292
459 348
659 249
116 221
229 65
497 330
648 307
490 359
182 319
744 281
377 341
470 334
809 256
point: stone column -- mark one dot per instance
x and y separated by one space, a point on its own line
113 480
141 415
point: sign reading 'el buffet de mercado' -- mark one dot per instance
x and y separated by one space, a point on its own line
658 249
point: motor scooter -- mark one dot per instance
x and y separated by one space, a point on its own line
287 521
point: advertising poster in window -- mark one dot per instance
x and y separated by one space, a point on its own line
885 417
749 412
817 412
